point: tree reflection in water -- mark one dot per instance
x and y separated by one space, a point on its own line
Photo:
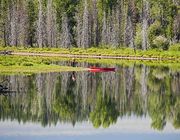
101 98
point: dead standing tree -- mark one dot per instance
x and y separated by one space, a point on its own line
104 40
65 35
85 30
145 17
13 22
41 25
130 25
51 25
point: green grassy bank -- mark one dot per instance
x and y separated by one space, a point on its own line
37 64
172 54
25 64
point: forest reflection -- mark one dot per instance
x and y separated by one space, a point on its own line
102 98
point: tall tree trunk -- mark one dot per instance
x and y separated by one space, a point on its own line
65 36
40 25
49 23
145 18
130 25
115 31
78 30
85 30
110 29
51 26
21 23
120 17
13 23
104 40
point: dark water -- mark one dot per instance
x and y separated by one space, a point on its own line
135 102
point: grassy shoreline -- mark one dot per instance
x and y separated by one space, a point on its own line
122 53
44 63
36 64
37 69
28 64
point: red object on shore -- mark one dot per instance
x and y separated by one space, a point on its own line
96 69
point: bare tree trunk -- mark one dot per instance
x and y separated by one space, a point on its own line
115 31
40 25
130 26
124 17
79 31
119 15
104 40
110 30
145 18
51 26
65 36
54 30
85 31
49 23
21 23
13 23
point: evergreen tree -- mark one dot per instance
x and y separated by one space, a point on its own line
32 18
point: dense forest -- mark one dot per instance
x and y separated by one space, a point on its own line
139 24
102 98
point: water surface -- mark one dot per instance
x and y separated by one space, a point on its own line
134 102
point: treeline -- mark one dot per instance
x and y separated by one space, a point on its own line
139 24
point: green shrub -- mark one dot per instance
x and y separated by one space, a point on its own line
154 30
7 63
160 42
27 64
46 62
175 47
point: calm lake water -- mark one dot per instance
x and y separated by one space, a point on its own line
134 102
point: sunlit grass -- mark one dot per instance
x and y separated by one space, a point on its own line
27 64
172 54
37 69
38 64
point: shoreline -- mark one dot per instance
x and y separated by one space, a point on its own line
121 57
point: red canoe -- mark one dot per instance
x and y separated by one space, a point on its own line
96 69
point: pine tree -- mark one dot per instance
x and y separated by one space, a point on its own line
31 22
95 32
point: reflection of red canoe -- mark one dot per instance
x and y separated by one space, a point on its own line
96 69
